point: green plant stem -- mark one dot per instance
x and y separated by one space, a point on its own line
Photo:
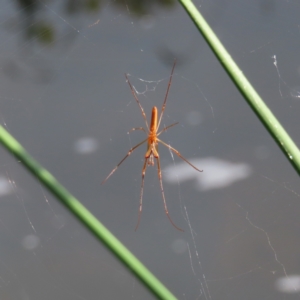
86 218
257 104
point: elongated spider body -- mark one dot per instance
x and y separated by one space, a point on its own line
152 147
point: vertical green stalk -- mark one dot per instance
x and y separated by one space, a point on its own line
257 104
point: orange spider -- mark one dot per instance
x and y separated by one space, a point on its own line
152 147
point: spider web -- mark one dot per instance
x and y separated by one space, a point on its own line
65 98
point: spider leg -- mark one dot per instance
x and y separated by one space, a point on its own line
137 128
163 194
166 128
141 195
137 100
129 152
165 101
178 153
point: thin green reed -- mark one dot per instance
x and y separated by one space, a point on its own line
85 217
279 134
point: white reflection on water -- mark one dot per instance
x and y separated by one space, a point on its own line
289 284
30 242
216 173
86 145
5 186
